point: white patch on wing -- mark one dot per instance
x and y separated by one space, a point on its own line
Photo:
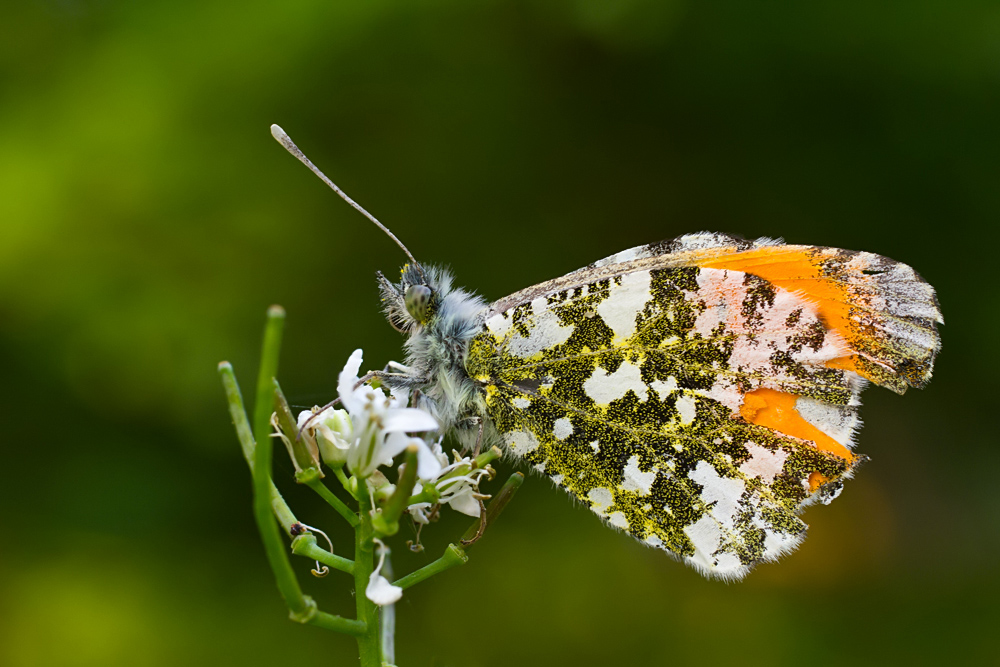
724 292
498 325
521 403
522 442
755 339
686 408
721 294
723 491
562 428
635 479
663 388
544 331
605 387
625 302
776 542
706 536
724 392
763 463
601 499
618 520
836 421
728 562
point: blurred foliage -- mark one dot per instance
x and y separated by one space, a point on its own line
147 219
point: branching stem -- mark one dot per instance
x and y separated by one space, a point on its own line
257 446
334 502
369 648
305 545
453 555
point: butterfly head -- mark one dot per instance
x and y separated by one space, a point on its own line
415 299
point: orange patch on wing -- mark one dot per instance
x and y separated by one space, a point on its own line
798 270
776 410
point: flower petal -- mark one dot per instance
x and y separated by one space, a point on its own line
465 503
394 444
380 591
332 448
428 465
347 379
304 416
418 513
409 419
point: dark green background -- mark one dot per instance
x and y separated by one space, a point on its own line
147 219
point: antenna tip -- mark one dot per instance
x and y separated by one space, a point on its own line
287 142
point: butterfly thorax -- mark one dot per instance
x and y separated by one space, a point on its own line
440 320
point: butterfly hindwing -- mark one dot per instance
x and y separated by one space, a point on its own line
696 407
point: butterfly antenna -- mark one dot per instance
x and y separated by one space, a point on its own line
290 146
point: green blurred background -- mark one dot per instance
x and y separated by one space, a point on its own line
147 219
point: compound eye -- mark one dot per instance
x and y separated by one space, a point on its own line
418 300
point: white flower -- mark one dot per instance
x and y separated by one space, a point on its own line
379 590
373 431
464 500
457 484
332 430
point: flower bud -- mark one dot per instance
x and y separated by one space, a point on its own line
333 431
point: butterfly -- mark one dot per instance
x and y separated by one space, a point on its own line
696 394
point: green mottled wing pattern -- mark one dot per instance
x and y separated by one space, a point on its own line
627 392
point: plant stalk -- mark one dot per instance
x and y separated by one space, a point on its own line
369 648
277 555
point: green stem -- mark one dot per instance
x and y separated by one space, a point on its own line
245 436
268 502
364 564
305 545
387 521
344 481
334 502
281 510
236 411
348 626
302 450
487 457
453 555
276 552
429 494
311 615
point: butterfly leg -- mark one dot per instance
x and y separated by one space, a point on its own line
479 438
382 375
482 526
396 366
394 380
482 507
